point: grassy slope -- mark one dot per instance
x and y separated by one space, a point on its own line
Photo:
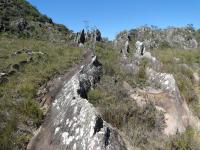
33 23
18 108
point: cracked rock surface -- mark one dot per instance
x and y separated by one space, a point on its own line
72 122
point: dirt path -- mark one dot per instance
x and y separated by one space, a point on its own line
42 136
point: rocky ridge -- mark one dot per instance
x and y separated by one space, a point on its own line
154 37
74 123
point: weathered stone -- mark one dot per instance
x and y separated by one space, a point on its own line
89 75
82 37
140 48
74 123
98 35
121 43
163 38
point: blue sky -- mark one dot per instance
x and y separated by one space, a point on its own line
113 16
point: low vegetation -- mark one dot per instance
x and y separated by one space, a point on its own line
140 124
19 109
144 125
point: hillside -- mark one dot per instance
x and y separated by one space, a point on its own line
65 90
19 18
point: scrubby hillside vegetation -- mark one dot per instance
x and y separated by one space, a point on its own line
140 108
33 50
148 90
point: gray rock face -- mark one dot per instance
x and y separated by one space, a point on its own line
165 81
73 123
89 36
140 48
122 43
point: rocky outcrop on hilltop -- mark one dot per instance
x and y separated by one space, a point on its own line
74 123
154 37
90 37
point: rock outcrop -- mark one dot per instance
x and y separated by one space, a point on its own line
121 43
153 37
73 123
90 36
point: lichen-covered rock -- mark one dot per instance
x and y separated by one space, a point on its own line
140 48
73 123
165 81
121 43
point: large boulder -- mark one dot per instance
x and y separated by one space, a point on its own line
140 48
